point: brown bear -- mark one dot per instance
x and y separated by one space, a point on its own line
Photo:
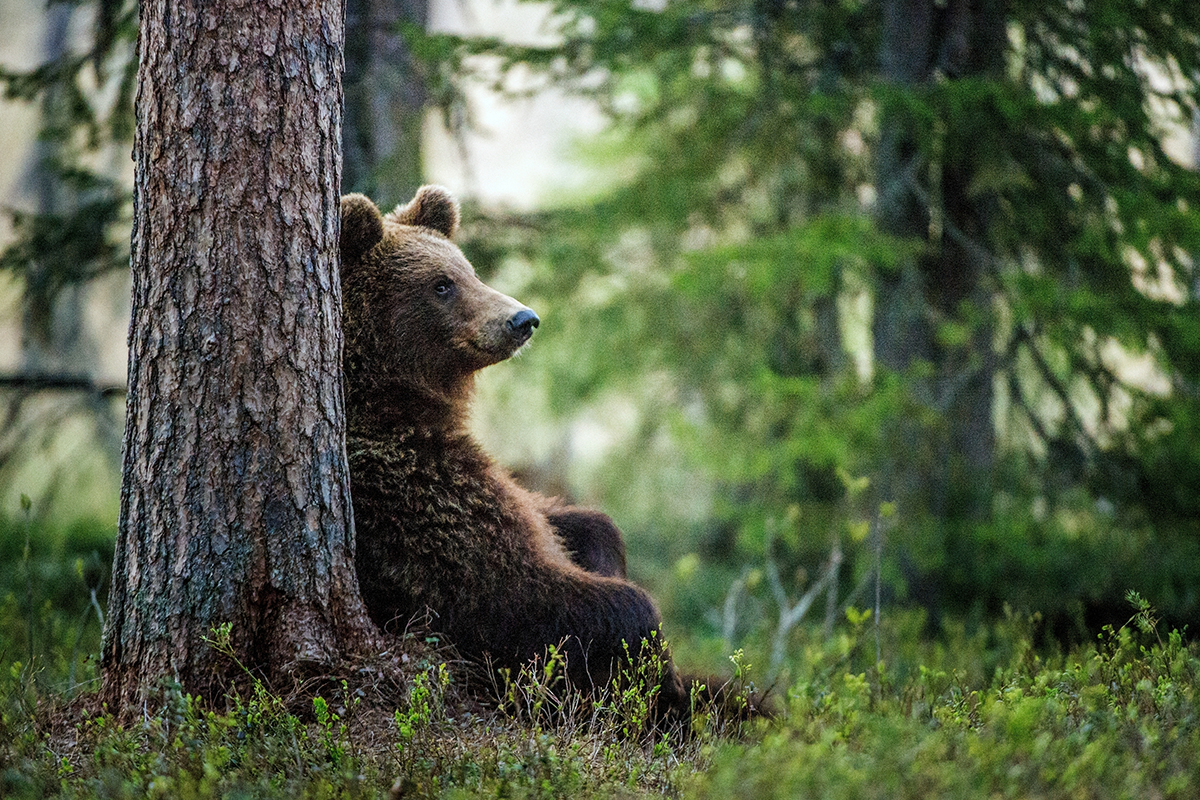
503 572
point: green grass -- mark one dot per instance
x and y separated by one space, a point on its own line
53 590
434 741
1116 719
983 711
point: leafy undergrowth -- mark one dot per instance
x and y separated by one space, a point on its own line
535 738
1117 718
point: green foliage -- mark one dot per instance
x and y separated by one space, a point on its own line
626 712
57 249
80 230
1080 556
729 276
53 588
1118 718
262 744
978 711
257 748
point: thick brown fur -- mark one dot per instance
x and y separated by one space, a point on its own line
504 572
592 540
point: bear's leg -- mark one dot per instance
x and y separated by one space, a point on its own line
609 630
620 631
592 539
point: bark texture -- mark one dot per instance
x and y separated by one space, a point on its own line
235 504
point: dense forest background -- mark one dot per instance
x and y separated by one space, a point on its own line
850 310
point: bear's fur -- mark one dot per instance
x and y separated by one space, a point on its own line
504 572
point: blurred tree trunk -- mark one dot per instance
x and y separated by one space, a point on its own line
235 504
975 40
939 470
946 284
385 100
53 337
1196 166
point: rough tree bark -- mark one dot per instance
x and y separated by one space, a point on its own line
235 504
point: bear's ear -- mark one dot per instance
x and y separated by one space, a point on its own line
362 226
433 207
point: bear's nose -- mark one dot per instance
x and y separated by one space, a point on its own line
521 324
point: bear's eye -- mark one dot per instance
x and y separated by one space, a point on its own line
443 287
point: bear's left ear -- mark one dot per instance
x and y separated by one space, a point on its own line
362 226
433 207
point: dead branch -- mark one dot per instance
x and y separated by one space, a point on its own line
27 382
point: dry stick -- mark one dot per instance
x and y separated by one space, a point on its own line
729 610
93 605
877 524
79 628
33 382
831 598
25 506
789 614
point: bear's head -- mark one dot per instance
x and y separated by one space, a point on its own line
418 323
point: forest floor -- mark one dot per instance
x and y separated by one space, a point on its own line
987 709
1114 719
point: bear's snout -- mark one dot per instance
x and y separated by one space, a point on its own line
520 325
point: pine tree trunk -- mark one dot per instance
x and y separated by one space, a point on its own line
235 504
957 39
974 43
939 472
385 101
53 337
900 332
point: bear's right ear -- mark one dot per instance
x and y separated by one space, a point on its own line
433 207
362 226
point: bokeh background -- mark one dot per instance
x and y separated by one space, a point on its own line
846 317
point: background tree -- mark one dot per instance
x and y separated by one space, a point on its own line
837 254
68 238
938 204
72 232
985 194
934 314
385 100
235 505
